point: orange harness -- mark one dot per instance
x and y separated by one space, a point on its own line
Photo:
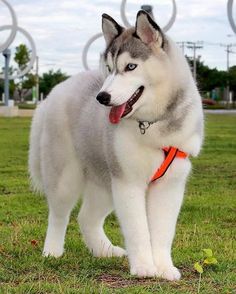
170 154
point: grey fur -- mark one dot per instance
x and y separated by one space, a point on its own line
127 42
175 112
174 116
175 101
136 49
95 133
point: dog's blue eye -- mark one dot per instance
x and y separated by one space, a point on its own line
130 66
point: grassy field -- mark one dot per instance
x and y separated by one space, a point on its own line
207 220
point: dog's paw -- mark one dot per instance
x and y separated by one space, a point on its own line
144 270
118 251
109 251
170 273
52 251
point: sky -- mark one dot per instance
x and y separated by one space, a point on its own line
61 28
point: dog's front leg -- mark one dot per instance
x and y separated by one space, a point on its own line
129 202
163 204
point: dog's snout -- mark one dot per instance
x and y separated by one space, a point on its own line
104 98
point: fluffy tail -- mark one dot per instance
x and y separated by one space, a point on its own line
35 150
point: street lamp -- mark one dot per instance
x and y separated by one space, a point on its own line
7 55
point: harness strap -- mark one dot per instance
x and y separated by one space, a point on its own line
170 154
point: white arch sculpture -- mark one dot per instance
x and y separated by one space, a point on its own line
14 28
127 24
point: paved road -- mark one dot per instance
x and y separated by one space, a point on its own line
220 111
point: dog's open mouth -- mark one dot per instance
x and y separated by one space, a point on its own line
117 112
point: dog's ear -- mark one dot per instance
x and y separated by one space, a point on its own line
110 28
147 30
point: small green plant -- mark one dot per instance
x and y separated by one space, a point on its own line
208 259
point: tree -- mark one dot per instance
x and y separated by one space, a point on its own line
25 83
22 56
50 80
208 78
232 78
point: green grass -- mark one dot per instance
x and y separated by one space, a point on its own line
207 220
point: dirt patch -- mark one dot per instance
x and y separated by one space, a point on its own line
115 281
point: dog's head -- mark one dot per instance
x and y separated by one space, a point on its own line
138 69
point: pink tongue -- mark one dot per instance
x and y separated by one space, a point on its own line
116 113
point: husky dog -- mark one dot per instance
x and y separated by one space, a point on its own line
102 134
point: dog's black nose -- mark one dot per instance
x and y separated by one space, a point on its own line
104 98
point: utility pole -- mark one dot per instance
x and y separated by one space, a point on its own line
228 51
195 47
182 45
7 54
